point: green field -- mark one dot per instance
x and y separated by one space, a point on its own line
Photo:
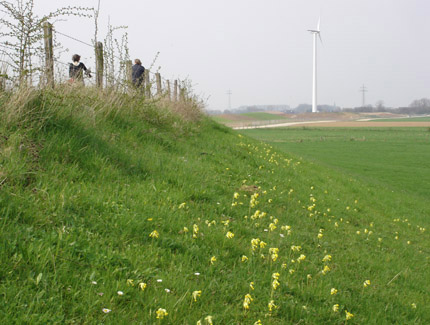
117 209
398 158
406 119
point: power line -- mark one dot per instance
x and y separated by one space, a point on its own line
363 89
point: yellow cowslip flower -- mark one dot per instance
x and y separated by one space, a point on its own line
325 270
358 232
348 315
309 277
182 205
234 204
275 284
285 227
213 260
284 265
251 285
335 308
272 305
235 195
301 258
130 282
333 291
255 242
154 234
161 313
275 276
185 230
336 224
262 244
291 271
208 320
326 258
225 222
196 294
366 283
199 322
320 235
195 230
274 257
258 322
295 248
244 258
273 250
229 235
247 301
142 286
414 306
272 226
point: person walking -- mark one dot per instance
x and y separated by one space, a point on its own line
77 69
137 73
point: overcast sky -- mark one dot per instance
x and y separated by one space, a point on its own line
262 51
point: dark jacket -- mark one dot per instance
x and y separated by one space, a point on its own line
137 74
76 71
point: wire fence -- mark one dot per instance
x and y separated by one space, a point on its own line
116 68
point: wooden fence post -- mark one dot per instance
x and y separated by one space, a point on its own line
175 91
49 54
147 84
168 90
158 80
128 72
99 64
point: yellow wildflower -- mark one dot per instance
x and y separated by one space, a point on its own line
414 305
229 235
247 301
142 286
244 258
213 260
161 313
320 235
272 226
272 305
326 258
366 283
185 229
275 284
348 315
262 244
154 234
236 195
335 308
182 205
325 270
195 230
196 294
258 322
251 285
130 282
301 258
208 320
333 291
255 242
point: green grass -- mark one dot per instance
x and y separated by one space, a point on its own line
395 157
406 119
87 179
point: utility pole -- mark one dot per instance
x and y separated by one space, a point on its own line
363 89
229 93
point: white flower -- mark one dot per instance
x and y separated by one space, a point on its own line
106 311
159 280
120 293
197 273
167 290
93 282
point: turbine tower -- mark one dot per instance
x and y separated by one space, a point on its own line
314 74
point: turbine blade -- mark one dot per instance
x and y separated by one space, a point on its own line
319 22
319 34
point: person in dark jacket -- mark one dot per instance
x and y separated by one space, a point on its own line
137 73
77 69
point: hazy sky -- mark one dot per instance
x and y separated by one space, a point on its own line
261 50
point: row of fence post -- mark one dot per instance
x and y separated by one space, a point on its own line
99 54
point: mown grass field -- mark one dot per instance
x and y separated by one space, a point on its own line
117 210
410 119
397 158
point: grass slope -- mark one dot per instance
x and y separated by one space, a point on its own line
115 211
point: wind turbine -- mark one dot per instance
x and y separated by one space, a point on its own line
314 74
